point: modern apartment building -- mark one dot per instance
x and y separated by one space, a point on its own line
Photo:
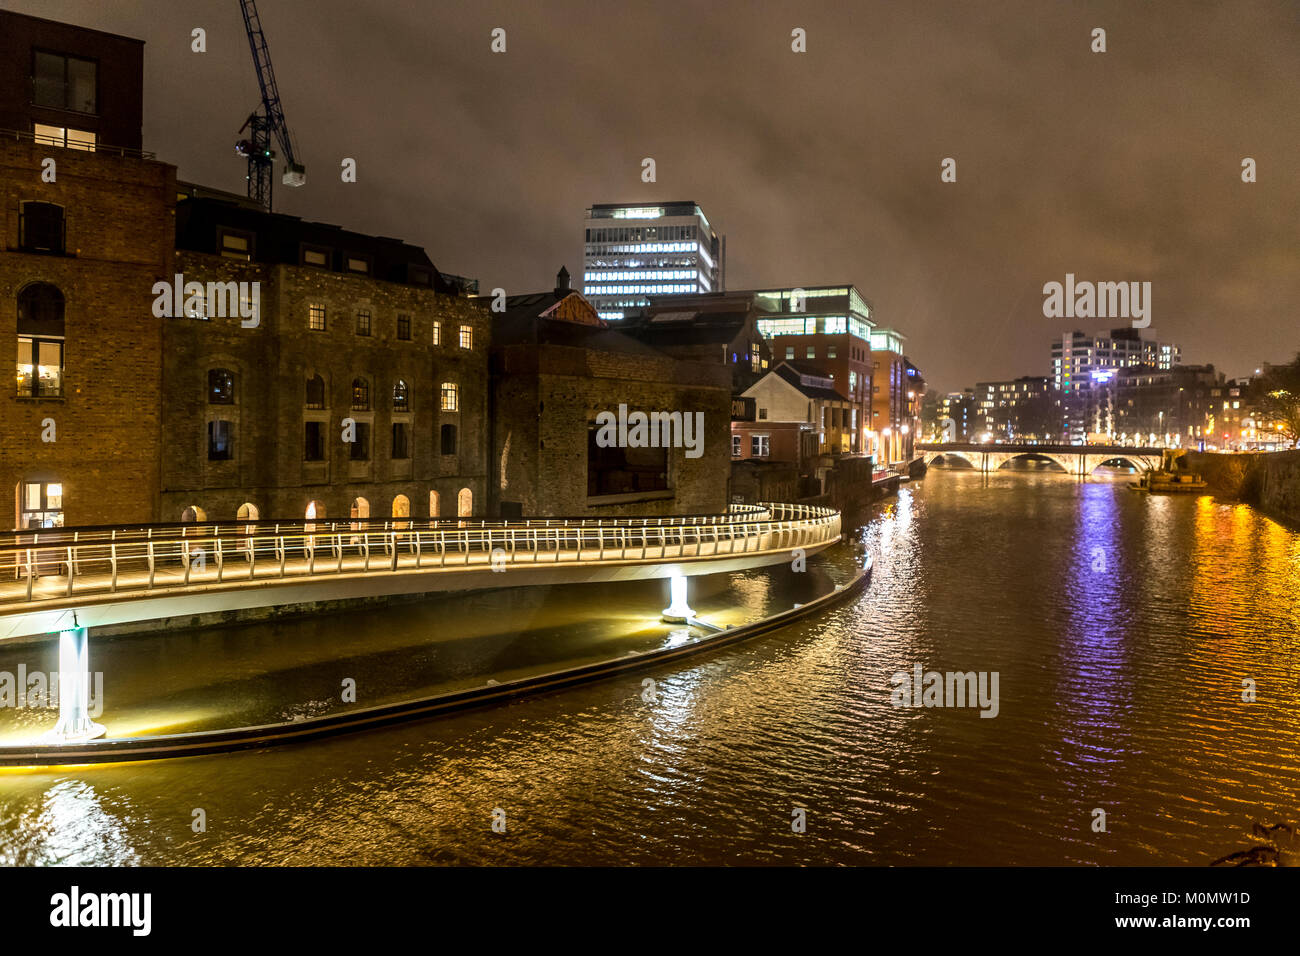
1023 409
1082 363
633 252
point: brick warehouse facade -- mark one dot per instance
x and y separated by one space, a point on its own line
79 258
350 327
555 366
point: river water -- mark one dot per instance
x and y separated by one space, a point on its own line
1122 628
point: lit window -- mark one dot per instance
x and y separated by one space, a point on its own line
358 265
316 318
236 245
466 337
68 138
449 396
401 397
40 341
360 395
41 505
437 333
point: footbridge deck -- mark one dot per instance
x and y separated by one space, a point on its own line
57 579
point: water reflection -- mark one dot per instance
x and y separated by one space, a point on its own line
1121 690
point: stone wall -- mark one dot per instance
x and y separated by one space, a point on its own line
272 363
1269 481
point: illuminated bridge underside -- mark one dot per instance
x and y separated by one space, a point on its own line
120 576
1075 459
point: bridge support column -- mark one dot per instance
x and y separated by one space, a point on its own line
678 611
74 690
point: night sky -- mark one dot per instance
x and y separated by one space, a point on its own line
820 167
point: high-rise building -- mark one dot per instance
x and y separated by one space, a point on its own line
632 252
1081 363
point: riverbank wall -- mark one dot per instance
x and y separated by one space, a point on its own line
1270 482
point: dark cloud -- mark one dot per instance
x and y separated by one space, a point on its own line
822 167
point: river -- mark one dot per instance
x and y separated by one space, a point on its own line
1123 630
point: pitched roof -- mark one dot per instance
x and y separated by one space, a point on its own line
800 381
530 319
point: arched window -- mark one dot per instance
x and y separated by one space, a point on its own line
360 395
435 505
40 228
40 341
360 508
465 503
401 397
315 510
247 512
401 507
194 513
221 386
315 392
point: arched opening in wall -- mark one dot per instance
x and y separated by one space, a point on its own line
247 512
401 509
1032 462
465 503
1119 467
435 506
194 514
314 510
360 510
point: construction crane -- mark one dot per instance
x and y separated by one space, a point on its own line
265 122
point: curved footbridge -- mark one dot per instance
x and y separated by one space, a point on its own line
66 581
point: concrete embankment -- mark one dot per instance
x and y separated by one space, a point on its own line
1271 482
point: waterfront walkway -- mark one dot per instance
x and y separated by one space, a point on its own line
62 578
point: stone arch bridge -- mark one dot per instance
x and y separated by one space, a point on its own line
1076 459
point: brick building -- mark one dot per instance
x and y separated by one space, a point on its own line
556 366
718 327
87 231
360 388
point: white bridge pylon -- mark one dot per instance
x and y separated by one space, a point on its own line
1079 460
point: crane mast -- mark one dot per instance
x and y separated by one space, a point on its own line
267 122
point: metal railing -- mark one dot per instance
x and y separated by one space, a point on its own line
152 558
30 136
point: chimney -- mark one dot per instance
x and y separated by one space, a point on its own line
562 282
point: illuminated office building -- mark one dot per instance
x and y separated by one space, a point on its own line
633 252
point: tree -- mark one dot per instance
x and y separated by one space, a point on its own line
1277 398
